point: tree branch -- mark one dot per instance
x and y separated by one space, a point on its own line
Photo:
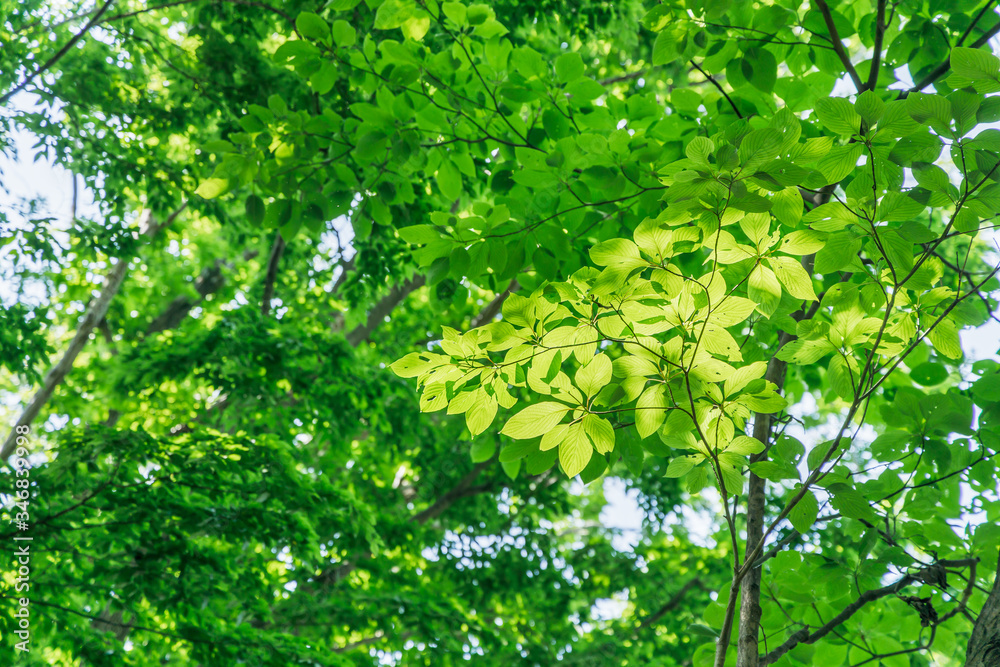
719 87
877 50
838 46
58 56
457 492
378 313
208 282
272 273
803 636
487 314
670 604
946 65
95 313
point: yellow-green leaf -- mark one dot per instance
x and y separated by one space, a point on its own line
575 451
535 420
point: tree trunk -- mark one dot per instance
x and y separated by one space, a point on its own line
747 649
984 644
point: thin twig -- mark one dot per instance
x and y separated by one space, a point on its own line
719 87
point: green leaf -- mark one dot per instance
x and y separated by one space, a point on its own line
758 148
945 339
745 445
838 115
929 374
682 465
839 162
569 67
600 431
756 227
787 206
593 376
743 376
850 503
419 234
842 377
767 402
255 209
575 451
517 450
534 420
760 68
617 251
803 514
732 474
840 250
793 277
343 34
416 27
764 289
455 11
482 450
870 107
898 251
664 49
650 410
925 108
511 468
416 364
980 67
449 180
699 150
774 472
211 188
803 242
312 26
632 452
479 417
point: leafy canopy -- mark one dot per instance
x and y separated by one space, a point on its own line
733 247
